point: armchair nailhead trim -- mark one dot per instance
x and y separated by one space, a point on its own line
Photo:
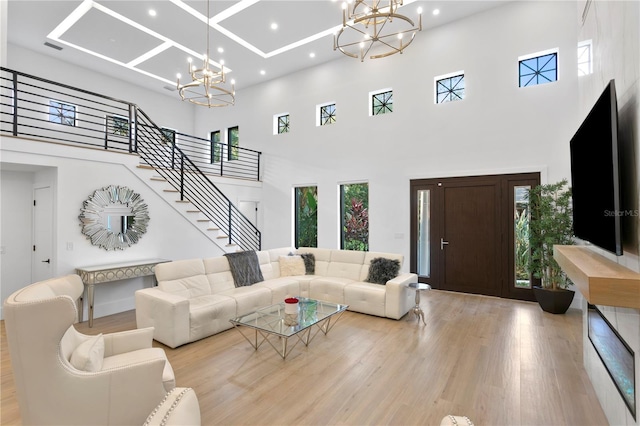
170 410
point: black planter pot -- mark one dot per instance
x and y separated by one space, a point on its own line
553 301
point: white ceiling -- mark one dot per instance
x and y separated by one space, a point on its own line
119 37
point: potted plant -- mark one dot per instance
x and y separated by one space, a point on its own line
551 224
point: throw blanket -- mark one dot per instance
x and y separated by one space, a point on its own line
245 268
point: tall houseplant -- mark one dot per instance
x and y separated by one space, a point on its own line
551 224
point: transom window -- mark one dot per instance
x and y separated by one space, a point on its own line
327 114
382 102
450 89
283 124
62 113
538 69
585 61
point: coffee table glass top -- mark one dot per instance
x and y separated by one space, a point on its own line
272 318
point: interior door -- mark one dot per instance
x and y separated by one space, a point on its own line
464 236
42 254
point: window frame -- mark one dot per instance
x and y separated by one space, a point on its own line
233 143
451 90
550 52
296 215
372 96
319 112
62 116
342 214
589 62
215 147
276 123
114 130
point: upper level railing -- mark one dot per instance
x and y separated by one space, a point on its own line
34 107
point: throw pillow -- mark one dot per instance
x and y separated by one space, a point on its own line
88 356
291 266
245 268
382 270
309 263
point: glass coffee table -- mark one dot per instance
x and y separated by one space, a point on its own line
270 324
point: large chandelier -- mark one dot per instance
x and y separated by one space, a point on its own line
206 88
374 29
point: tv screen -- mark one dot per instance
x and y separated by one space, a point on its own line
595 176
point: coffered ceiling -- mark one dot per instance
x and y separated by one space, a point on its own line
148 42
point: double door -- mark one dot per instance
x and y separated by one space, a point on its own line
470 234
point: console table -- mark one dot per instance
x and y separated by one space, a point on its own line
98 274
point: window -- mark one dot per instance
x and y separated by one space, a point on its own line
450 88
381 102
233 138
585 61
282 124
354 202
306 216
117 125
169 135
539 69
327 114
216 146
60 113
522 219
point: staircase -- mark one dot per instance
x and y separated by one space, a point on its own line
27 110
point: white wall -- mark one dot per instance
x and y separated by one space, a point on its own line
497 128
614 28
75 174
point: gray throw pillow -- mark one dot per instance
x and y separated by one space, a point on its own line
382 270
245 268
309 263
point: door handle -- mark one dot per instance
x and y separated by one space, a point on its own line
46 261
443 243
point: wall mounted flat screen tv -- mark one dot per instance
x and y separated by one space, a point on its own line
595 181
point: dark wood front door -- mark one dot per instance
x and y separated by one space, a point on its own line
462 233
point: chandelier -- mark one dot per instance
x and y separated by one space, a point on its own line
374 30
206 88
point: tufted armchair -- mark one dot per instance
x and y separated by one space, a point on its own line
65 377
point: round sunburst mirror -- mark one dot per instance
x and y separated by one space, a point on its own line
114 217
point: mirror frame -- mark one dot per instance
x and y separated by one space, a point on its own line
93 226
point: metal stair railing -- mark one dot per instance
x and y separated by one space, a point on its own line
183 174
36 108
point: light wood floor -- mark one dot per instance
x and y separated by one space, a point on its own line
497 361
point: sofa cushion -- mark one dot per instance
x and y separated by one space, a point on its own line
382 270
366 298
346 264
245 268
184 278
89 355
281 288
218 274
249 298
330 289
210 314
291 266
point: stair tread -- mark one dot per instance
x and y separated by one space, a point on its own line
222 236
183 201
194 211
213 229
170 190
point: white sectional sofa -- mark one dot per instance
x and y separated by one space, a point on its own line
196 298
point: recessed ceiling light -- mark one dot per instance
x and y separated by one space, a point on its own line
312 55
152 12
220 50
262 72
274 26
436 12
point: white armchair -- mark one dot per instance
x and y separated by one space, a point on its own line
65 377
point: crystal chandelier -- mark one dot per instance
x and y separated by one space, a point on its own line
375 30
206 88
